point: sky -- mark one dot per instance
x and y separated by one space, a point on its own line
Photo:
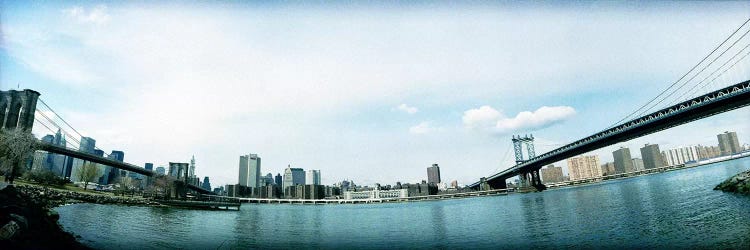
367 91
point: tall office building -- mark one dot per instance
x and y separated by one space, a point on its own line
582 167
56 162
87 145
277 179
206 184
161 170
293 176
117 155
113 173
250 175
149 166
433 174
552 174
266 180
651 156
312 177
728 143
191 172
623 161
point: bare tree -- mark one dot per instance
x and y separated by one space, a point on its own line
126 183
16 146
87 173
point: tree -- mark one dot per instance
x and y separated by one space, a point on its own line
126 183
16 146
87 173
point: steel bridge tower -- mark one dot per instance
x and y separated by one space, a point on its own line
530 181
519 142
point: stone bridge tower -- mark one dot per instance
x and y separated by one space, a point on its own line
17 109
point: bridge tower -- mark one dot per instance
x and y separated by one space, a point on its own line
531 179
519 142
17 109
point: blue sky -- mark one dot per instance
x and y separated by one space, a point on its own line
370 92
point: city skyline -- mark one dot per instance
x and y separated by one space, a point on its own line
400 99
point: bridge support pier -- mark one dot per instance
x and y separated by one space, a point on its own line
531 182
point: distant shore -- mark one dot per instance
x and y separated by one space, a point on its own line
576 183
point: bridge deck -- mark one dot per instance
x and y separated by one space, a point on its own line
109 162
719 101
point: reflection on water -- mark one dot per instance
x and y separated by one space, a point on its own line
674 209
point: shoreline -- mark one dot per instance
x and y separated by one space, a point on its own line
604 179
57 197
29 223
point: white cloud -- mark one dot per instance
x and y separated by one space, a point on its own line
490 119
407 108
97 15
484 116
422 128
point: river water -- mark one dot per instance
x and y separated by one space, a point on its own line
673 209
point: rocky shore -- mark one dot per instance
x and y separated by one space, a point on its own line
28 223
27 220
739 183
55 197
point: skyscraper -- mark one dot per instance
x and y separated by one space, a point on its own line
114 173
87 145
278 179
623 161
149 166
651 156
293 176
117 155
206 184
191 172
582 167
266 180
161 170
250 170
433 174
57 162
312 177
728 143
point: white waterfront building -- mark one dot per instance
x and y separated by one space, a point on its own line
376 194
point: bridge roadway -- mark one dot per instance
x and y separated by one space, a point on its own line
719 101
109 162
